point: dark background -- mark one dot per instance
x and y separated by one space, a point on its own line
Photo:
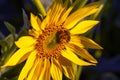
108 30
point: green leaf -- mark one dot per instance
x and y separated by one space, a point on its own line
10 27
7 48
39 7
101 9
4 46
25 20
9 40
80 4
11 73
1 36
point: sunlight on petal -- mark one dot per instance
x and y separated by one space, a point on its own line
45 22
34 22
56 73
38 69
76 40
32 71
28 65
72 57
66 14
89 43
16 57
25 41
82 53
39 21
83 26
24 57
45 74
67 67
81 13
58 9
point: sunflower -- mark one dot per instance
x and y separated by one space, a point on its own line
54 43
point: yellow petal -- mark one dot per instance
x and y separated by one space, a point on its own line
45 22
16 57
72 57
80 14
30 76
53 10
34 23
67 12
34 33
55 70
83 26
67 67
36 70
82 53
57 9
24 57
88 43
39 21
28 65
45 74
76 40
25 41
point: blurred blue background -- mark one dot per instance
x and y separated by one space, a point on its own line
108 31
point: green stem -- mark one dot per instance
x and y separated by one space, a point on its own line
39 6
10 52
79 69
101 9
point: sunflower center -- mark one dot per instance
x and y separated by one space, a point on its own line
52 41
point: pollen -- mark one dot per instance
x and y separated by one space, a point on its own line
52 41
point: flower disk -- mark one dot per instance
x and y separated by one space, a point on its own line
52 41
